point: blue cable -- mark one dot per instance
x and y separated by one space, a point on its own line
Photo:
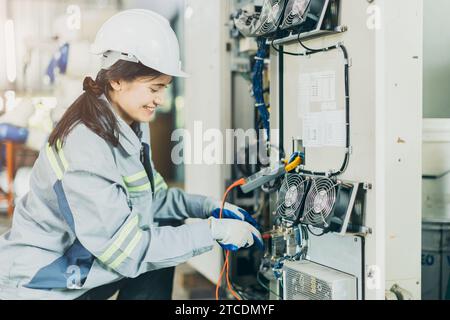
294 156
258 90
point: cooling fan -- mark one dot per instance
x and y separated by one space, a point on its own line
270 17
291 196
329 204
308 15
295 13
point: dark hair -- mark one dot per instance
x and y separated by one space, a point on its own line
94 112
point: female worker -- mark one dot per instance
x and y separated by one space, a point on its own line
87 228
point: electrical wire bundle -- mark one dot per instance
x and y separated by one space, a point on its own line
226 262
258 86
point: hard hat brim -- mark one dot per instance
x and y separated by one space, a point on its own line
180 74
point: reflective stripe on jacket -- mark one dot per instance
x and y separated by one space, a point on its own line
88 219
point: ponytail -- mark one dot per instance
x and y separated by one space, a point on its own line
95 113
92 112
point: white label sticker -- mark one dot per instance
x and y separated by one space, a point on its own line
329 106
319 87
323 86
335 128
324 129
312 131
304 94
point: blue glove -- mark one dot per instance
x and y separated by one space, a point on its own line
230 211
234 234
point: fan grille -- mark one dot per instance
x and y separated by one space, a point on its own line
291 195
270 16
295 10
320 202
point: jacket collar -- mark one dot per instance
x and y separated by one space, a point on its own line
128 139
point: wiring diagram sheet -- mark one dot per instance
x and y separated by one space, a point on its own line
323 122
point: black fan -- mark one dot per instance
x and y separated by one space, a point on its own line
295 13
327 205
304 15
270 17
291 196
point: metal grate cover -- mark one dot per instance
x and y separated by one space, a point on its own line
306 280
305 287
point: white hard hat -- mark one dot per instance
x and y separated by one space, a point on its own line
139 35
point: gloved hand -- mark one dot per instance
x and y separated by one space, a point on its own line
235 234
230 211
